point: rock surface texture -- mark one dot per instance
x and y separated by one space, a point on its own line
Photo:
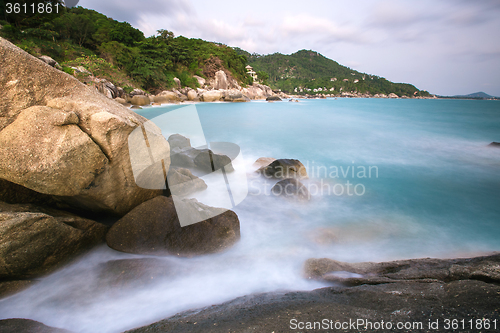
416 302
153 228
35 240
61 138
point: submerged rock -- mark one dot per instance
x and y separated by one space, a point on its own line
209 161
18 325
284 168
178 141
494 144
273 98
417 302
153 228
291 188
182 182
35 240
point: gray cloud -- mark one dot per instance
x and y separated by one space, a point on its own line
132 11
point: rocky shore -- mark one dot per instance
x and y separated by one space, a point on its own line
412 292
67 185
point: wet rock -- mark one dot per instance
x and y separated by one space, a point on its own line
9 288
36 240
17 325
179 141
273 99
405 302
182 182
125 273
284 168
423 270
263 161
154 228
291 188
494 144
209 161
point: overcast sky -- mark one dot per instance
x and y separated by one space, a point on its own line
447 47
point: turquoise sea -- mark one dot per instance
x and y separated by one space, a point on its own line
433 191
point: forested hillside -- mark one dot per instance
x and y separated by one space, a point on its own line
117 51
122 54
310 70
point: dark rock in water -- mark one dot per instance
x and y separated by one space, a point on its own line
179 141
183 158
135 107
34 241
234 95
417 302
209 161
182 182
292 189
154 228
284 168
494 144
17 325
273 98
125 273
482 268
8 288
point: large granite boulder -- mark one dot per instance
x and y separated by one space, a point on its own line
154 228
220 81
211 96
46 151
284 168
201 81
291 188
88 131
140 100
36 240
257 91
166 97
234 95
192 95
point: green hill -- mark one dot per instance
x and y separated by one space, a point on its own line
117 51
307 69
122 54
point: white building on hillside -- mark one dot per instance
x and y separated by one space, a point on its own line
251 72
